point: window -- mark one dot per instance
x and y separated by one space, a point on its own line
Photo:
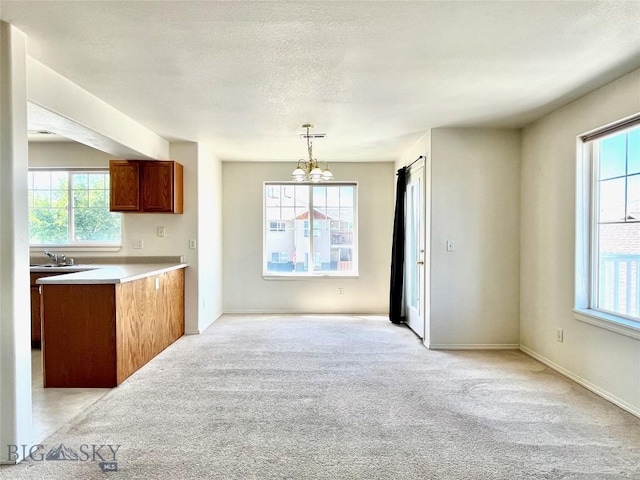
277 226
317 226
612 233
328 211
71 208
279 257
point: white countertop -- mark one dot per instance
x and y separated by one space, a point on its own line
64 268
101 274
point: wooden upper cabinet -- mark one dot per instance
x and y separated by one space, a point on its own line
158 187
161 187
125 186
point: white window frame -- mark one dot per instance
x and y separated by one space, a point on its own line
71 245
586 248
295 275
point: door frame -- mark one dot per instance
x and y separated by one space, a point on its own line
425 293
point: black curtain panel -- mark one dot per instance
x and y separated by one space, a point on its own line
397 252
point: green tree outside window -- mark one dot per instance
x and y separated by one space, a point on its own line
86 219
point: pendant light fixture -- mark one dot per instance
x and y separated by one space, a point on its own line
310 170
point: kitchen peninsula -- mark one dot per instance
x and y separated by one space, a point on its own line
101 325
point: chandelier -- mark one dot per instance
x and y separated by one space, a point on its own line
310 170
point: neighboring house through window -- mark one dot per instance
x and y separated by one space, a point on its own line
608 234
71 208
293 211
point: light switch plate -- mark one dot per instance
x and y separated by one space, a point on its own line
450 246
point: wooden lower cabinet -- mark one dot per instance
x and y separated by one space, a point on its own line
97 335
36 319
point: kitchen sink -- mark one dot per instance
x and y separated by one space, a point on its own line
53 265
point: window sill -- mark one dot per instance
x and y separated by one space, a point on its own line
613 323
318 276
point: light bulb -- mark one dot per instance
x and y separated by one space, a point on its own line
315 175
298 175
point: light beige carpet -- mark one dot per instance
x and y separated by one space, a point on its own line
340 397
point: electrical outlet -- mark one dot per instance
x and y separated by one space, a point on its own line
192 243
161 232
138 243
559 335
340 291
451 246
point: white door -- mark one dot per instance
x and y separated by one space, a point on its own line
415 250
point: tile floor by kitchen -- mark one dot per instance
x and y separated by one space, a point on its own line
53 407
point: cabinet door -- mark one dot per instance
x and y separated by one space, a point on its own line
35 317
157 187
36 313
125 186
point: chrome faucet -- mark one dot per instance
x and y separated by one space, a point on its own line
57 258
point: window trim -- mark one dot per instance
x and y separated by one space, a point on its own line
613 323
314 275
77 246
586 257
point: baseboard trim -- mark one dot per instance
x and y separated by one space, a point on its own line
585 383
473 346
198 331
300 312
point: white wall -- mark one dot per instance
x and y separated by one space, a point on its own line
209 188
66 154
179 227
605 361
475 201
245 289
202 188
473 198
15 324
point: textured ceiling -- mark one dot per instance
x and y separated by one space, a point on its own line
243 76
